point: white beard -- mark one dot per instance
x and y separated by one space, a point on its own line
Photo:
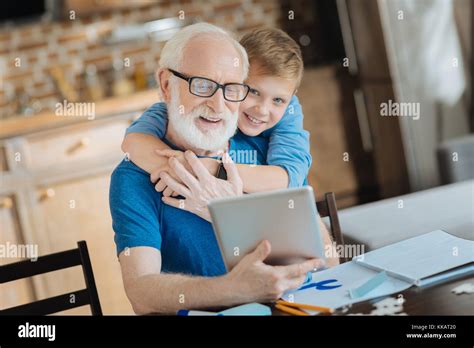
185 127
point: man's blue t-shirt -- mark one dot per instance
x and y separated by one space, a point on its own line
187 242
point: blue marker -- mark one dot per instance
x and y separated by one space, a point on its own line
188 313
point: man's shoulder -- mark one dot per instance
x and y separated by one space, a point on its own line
127 177
135 207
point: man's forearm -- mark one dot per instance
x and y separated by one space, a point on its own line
167 293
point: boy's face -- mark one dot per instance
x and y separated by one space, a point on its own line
266 102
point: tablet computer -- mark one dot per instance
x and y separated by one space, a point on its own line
287 218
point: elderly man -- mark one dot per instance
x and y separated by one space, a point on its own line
169 257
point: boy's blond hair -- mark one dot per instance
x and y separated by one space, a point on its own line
276 53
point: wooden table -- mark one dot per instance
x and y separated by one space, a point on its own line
436 299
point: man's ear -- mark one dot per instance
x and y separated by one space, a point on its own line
163 80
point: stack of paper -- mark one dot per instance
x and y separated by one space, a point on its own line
421 260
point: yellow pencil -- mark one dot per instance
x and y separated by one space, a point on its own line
306 306
290 310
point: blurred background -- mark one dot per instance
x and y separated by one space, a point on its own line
359 55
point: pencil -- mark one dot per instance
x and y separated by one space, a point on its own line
290 310
306 306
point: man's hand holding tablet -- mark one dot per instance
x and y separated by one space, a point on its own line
252 277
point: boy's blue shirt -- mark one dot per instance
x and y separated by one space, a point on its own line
288 142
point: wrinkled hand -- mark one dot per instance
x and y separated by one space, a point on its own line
199 190
254 281
160 185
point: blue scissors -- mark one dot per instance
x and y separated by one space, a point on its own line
322 285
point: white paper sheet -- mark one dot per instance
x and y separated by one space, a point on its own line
349 275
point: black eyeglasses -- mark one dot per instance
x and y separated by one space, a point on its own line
205 88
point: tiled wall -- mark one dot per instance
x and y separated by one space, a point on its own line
28 52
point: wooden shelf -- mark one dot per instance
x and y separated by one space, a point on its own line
21 124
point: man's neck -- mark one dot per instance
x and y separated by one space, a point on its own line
178 141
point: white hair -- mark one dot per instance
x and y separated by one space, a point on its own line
172 53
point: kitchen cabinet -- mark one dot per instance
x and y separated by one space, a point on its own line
20 291
68 146
83 204
63 177
54 189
